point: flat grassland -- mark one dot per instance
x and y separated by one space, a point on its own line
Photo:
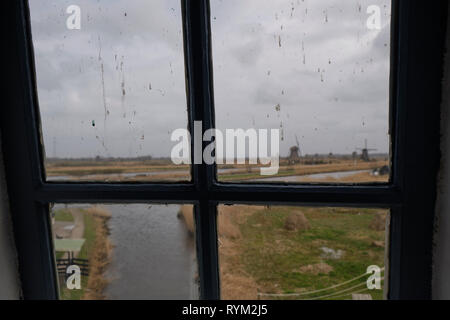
164 170
260 259
96 249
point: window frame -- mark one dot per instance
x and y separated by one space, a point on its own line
415 95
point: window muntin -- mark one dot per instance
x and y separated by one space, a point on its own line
302 253
111 92
316 70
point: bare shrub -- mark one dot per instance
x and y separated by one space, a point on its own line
296 221
227 227
100 256
379 222
187 215
98 211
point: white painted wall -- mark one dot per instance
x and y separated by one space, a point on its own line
9 277
441 257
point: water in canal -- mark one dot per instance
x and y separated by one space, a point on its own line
153 255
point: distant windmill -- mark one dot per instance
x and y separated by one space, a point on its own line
54 147
298 145
365 151
295 153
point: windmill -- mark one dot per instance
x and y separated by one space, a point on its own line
365 151
295 153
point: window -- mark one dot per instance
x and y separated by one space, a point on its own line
413 99
324 83
126 251
301 253
104 116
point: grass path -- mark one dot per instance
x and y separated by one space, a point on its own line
78 230
92 226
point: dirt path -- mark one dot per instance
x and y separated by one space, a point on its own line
78 230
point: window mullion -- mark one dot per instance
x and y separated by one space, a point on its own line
207 251
196 30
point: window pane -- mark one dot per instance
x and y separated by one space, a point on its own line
318 71
301 252
111 88
134 251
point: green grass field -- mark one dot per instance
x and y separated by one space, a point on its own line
273 255
63 215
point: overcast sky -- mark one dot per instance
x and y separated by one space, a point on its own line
116 87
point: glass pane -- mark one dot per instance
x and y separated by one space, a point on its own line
134 251
110 81
316 71
301 253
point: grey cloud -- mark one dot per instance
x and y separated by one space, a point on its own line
315 75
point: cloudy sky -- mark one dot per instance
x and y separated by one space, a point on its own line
116 87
